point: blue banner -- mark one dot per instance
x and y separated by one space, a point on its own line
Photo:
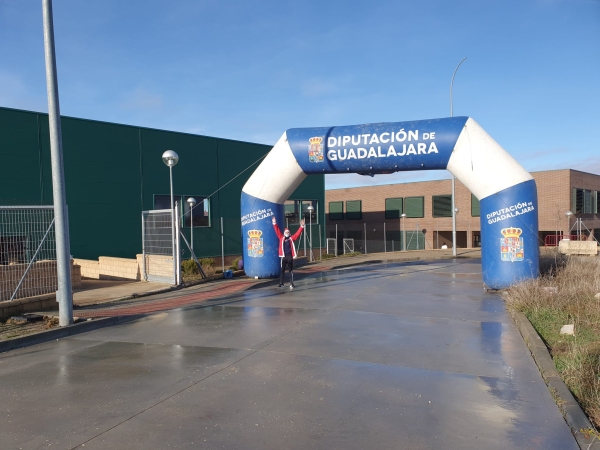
509 236
259 241
376 148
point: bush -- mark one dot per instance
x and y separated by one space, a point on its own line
207 262
235 263
189 267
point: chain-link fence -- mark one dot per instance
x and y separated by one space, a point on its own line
376 238
157 246
27 252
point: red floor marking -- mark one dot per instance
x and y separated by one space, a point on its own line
162 305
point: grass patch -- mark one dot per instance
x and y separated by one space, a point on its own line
565 294
189 269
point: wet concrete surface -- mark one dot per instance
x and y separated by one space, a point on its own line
388 356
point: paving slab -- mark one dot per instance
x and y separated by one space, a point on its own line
383 356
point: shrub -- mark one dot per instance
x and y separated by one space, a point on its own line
208 262
189 267
234 264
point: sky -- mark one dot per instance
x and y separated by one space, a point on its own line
249 70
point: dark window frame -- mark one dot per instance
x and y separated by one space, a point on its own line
394 213
355 215
341 213
475 201
422 209
433 205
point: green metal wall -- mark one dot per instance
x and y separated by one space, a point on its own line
113 171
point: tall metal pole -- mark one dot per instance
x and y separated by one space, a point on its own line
320 244
173 230
453 182
222 247
312 258
64 295
336 240
192 226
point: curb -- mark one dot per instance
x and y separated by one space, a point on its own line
568 406
163 290
62 332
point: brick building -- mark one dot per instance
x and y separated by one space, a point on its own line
373 216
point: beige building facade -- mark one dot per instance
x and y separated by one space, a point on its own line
419 214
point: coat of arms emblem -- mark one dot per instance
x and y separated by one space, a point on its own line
511 245
255 244
315 149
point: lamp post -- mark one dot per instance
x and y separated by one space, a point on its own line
192 202
64 295
170 158
402 217
569 214
310 209
453 178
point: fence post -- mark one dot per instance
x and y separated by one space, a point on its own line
384 239
144 277
305 239
336 239
177 248
320 245
365 237
223 247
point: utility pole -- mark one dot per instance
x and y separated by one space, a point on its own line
453 177
64 294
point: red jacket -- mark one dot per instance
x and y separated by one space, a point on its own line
282 237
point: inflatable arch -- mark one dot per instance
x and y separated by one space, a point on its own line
507 192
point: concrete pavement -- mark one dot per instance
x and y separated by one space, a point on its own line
386 356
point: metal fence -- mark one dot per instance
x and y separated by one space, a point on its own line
158 246
376 238
27 252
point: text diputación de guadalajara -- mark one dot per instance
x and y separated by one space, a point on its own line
399 145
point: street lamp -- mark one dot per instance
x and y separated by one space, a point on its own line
170 158
569 214
453 178
192 202
310 209
403 216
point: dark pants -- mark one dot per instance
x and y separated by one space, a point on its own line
287 261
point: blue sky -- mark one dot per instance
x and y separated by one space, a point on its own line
249 70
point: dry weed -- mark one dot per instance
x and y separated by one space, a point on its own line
565 294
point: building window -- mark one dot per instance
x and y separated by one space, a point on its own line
306 214
354 209
414 207
201 211
291 210
336 210
164 201
596 202
442 205
393 208
200 214
474 206
582 201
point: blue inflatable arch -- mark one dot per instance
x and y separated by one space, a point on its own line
506 191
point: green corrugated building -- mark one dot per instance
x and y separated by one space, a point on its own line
113 172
